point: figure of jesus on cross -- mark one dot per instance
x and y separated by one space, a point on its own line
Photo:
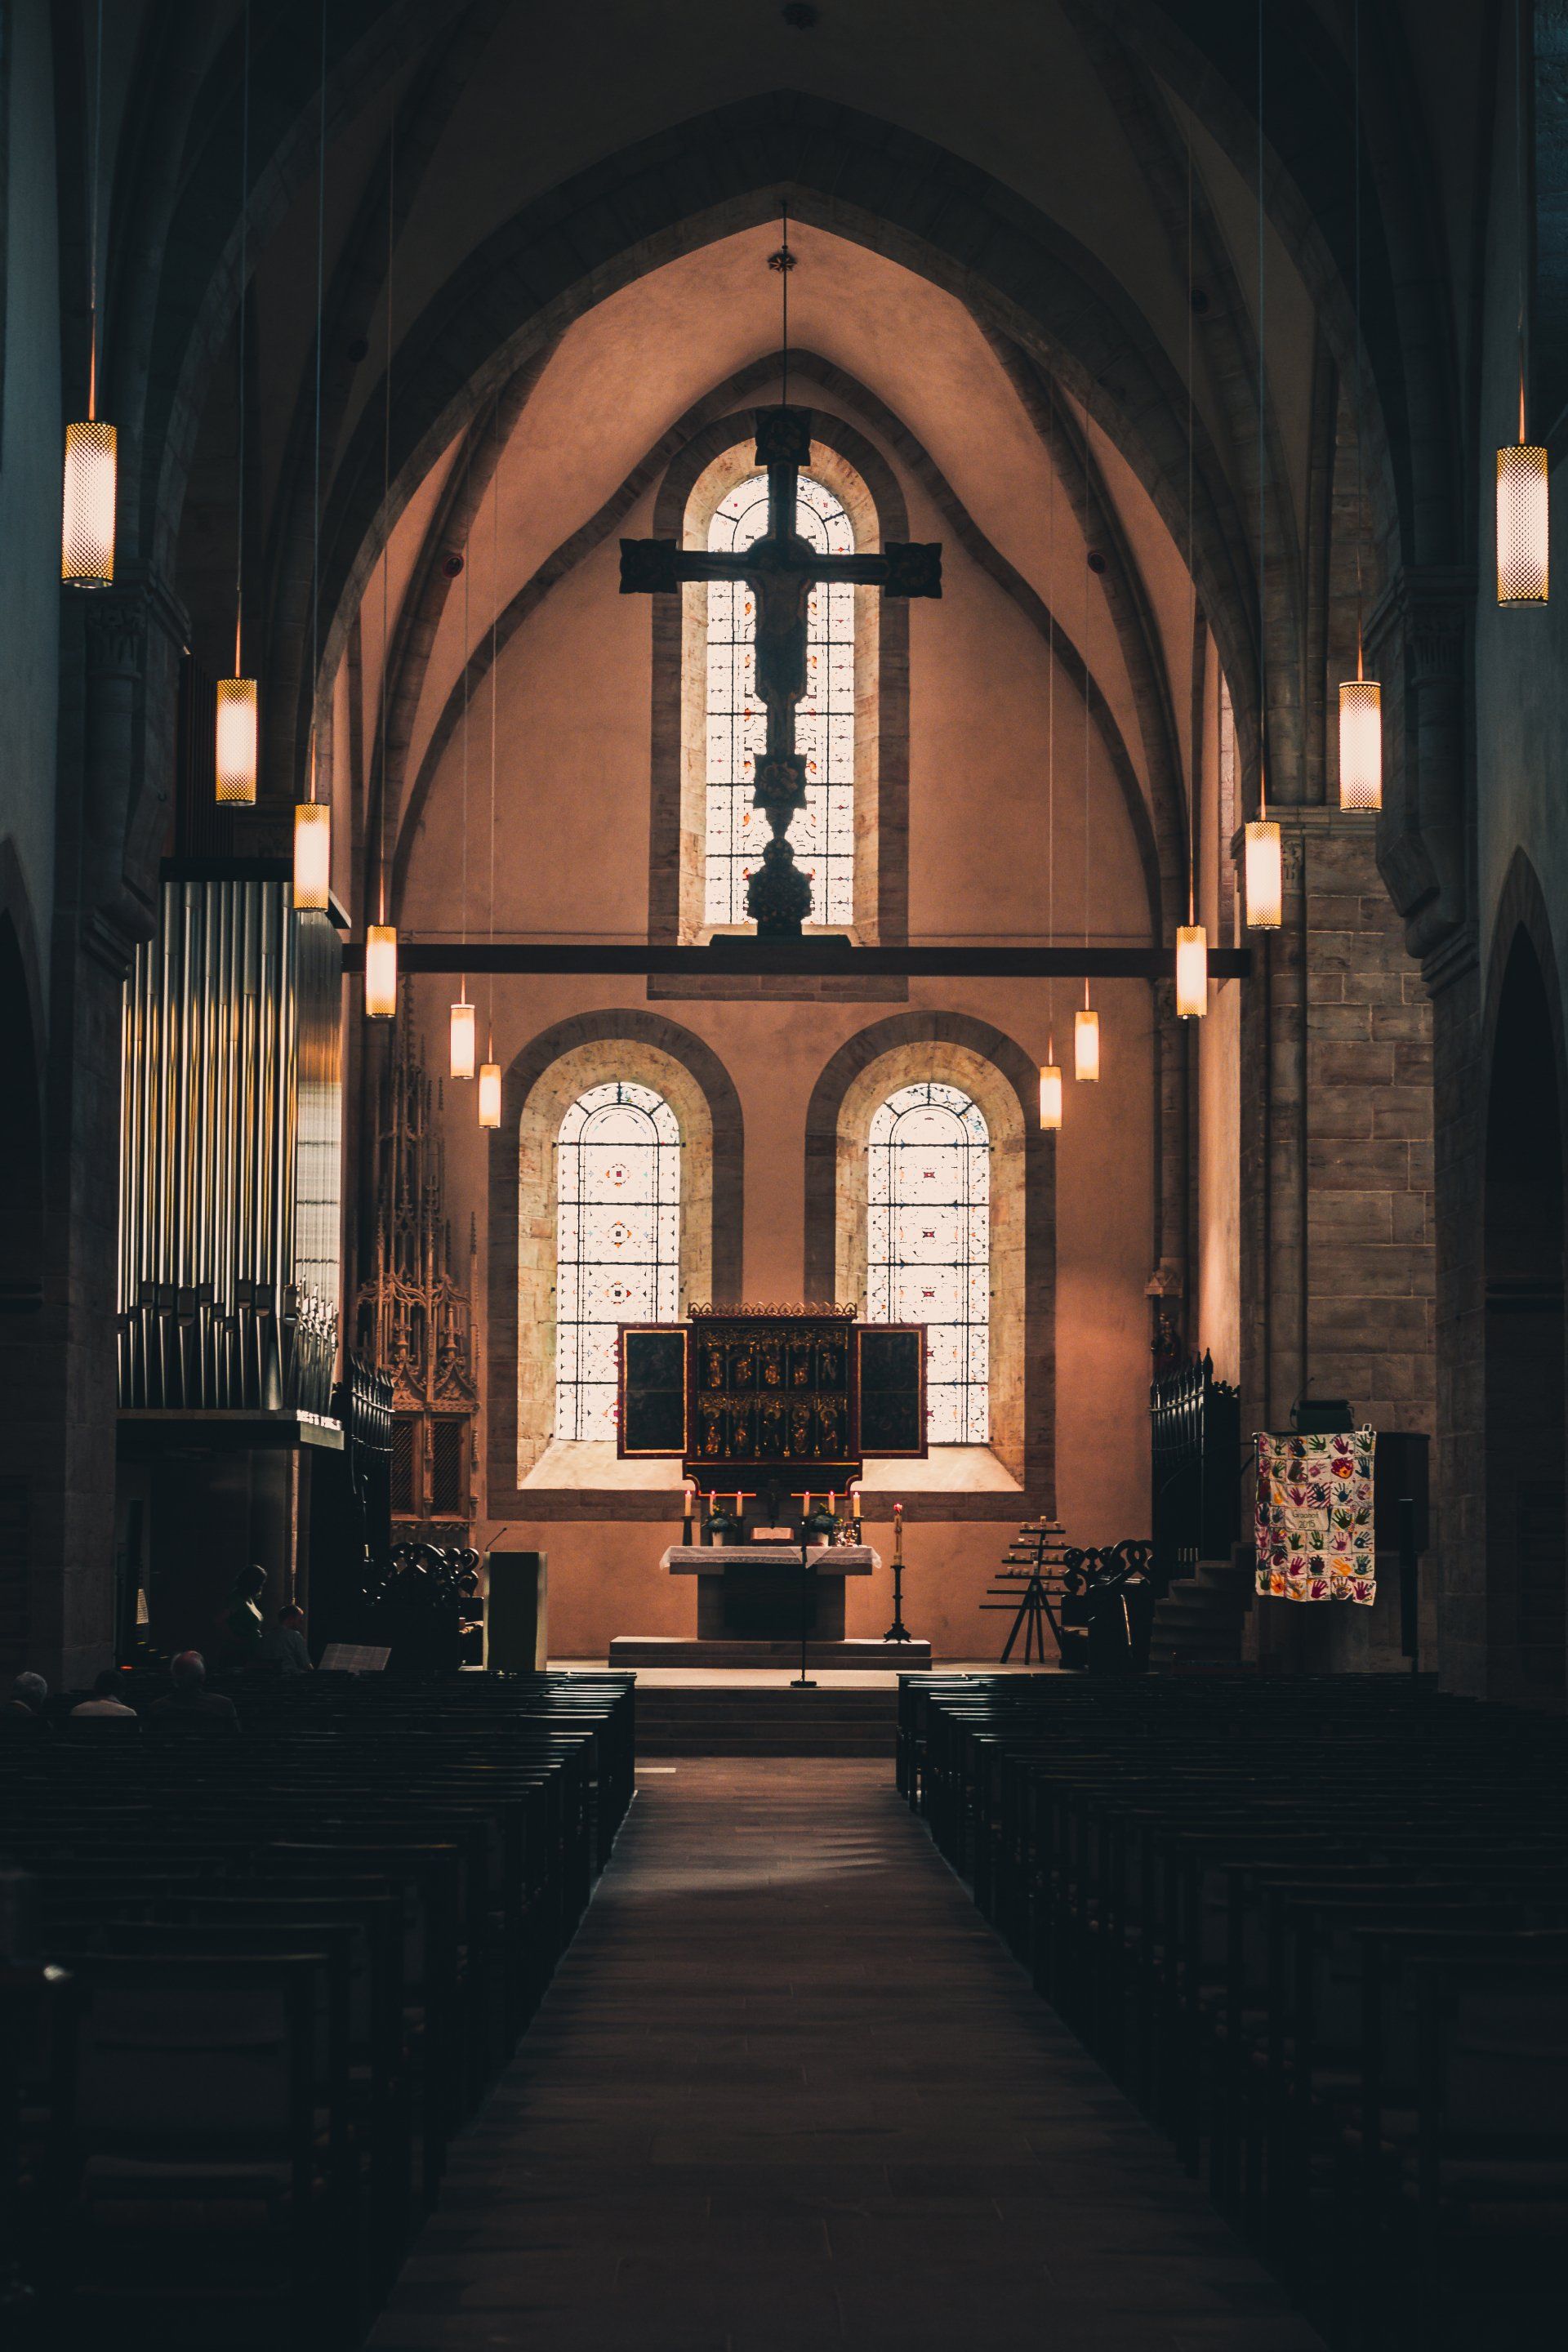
781 569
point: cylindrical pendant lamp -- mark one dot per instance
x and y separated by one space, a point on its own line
1086 1044
1191 972
1265 878
236 762
1051 1095
381 970
489 1094
1523 501
462 1038
91 478
312 855
1361 743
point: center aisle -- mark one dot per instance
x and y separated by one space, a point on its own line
787 2090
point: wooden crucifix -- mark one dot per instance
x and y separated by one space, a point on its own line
781 569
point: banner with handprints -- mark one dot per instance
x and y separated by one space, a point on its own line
1315 1539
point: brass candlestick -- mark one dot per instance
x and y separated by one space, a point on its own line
897 1630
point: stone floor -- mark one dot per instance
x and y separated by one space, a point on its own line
788 2090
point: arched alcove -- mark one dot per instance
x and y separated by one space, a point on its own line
1527 1564
912 1049
542 1084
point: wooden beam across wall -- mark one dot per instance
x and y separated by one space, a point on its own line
748 959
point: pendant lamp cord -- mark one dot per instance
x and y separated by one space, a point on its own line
467 569
1051 735
240 332
1192 748
1523 215
1262 474
495 689
1360 378
1087 576
93 228
316 456
386 493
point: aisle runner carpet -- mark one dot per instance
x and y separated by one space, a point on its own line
788 2092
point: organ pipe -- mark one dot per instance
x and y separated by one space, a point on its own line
230 1160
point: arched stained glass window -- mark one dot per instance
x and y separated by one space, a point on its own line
823 834
617 1242
927 1246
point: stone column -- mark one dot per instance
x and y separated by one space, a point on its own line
120 657
1419 642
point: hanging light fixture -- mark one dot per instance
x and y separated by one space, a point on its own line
312 855
1360 741
235 768
91 484
1264 871
1264 879
1050 1090
490 1074
381 937
1192 939
236 745
1523 495
1191 972
313 818
1085 1043
381 970
462 1038
92 447
1522 520
1361 697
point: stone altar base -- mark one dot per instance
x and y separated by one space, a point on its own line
629 1650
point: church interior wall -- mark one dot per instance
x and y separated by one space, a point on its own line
1330 1142
605 1579
30 420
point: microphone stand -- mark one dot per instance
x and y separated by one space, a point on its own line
803 1681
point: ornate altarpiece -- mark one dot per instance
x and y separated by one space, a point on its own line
787 1398
413 1319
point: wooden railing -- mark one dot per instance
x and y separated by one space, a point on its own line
1195 1462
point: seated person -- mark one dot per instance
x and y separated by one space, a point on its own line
106 1704
24 1710
283 1644
190 1701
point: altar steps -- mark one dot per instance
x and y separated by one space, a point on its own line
764 1721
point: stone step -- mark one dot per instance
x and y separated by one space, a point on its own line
1198 1623
675 1720
635 1650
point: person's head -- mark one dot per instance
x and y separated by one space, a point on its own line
292 1617
250 1582
30 1691
189 1670
108 1683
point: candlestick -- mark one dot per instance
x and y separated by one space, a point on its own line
897 1631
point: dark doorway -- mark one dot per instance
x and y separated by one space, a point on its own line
21 1297
1527 1566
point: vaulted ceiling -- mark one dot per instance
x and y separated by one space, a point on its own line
543 244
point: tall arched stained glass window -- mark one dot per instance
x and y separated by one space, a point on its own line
823 834
927 1246
617 1242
